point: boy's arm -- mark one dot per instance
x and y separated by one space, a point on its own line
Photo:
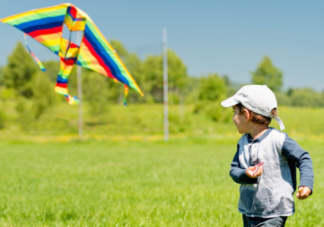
238 174
303 161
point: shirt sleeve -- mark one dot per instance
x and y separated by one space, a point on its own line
302 160
237 173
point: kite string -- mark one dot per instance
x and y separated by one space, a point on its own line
197 147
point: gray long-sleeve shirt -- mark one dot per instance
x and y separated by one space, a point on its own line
271 194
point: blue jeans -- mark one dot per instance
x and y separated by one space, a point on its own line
264 222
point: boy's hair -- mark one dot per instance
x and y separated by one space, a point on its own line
257 118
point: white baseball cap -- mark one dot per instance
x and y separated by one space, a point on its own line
257 98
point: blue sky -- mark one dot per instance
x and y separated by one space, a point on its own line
225 37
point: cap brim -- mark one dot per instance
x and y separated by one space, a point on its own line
229 102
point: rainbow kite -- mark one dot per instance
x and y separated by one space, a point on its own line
94 52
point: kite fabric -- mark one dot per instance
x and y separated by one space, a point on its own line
94 52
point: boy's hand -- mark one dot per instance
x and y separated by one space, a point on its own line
254 171
303 192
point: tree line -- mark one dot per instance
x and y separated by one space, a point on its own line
33 93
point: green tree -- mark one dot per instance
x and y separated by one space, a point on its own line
24 111
267 74
283 99
152 78
44 95
152 75
22 75
95 93
19 71
211 92
191 90
1 76
306 97
177 77
212 88
149 75
2 119
52 69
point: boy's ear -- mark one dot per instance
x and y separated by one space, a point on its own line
247 115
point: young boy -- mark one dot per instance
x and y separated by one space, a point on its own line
266 159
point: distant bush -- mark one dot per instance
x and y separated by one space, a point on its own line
43 95
306 97
214 112
25 117
212 92
2 119
218 113
199 107
283 99
179 123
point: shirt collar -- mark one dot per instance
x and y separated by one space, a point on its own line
259 139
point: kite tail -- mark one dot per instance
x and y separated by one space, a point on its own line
61 87
40 65
72 100
126 93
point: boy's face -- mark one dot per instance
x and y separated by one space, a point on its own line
239 120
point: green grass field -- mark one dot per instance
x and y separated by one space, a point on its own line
123 174
143 122
131 184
